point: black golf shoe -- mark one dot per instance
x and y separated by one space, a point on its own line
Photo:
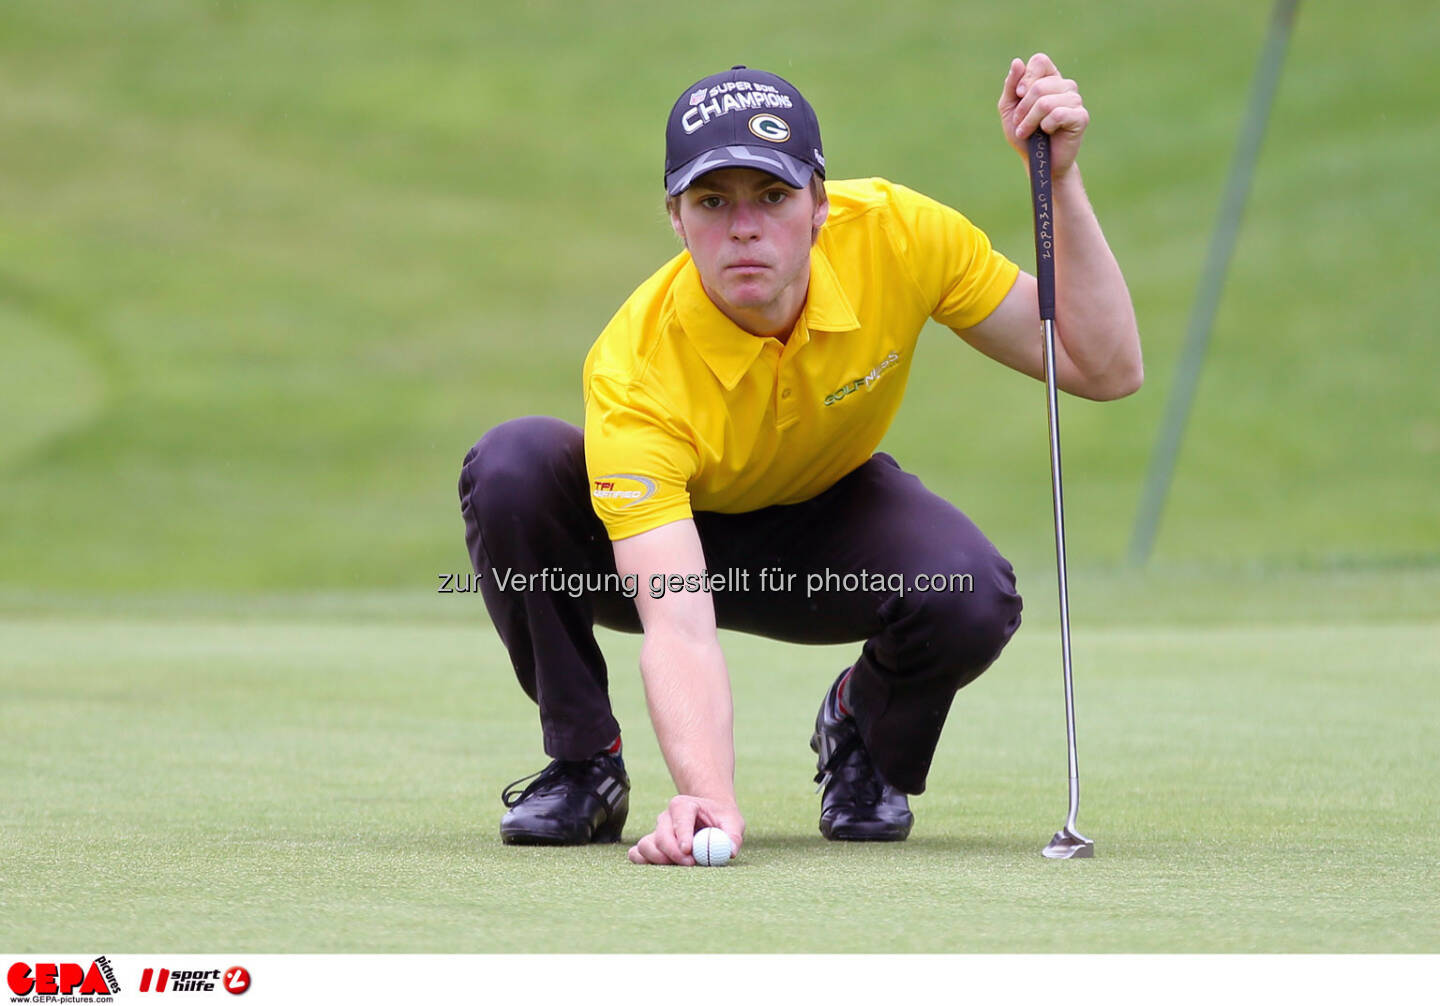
858 805
568 803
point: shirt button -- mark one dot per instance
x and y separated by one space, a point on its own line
785 393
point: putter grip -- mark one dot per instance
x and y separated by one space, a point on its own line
1044 221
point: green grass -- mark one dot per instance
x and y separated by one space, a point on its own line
288 781
268 269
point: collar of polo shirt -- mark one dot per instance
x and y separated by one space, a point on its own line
728 349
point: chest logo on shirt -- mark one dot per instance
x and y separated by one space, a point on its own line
865 381
631 489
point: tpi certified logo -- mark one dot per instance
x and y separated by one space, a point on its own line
45 981
235 980
630 488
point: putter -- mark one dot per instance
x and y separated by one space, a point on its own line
1067 843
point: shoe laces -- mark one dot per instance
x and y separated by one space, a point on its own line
852 763
543 779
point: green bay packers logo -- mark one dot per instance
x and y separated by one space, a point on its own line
769 127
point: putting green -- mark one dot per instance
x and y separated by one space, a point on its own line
273 782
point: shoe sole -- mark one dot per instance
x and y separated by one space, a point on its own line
601 838
875 832
607 833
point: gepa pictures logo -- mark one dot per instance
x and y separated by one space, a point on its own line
48 978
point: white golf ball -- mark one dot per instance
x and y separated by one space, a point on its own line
711 847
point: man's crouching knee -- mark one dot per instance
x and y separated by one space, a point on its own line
518 466
965 617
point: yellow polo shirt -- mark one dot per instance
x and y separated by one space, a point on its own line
686 411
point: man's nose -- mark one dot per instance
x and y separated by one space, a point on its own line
745 221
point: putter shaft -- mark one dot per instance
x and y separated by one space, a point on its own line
1058 500
1067 843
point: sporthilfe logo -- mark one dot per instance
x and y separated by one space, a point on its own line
770 127
235 980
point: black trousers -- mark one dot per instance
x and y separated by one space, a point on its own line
876 558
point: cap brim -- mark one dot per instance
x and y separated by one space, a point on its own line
792 172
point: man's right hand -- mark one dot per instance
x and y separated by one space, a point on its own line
670 843
687 689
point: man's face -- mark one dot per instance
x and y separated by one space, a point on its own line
750 235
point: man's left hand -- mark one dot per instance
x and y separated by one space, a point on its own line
1035 95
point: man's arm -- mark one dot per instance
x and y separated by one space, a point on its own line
1097 348
687 689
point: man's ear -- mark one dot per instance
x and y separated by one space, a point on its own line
672 207
822 213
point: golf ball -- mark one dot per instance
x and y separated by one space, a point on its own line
711 847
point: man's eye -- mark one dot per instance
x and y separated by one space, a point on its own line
775 196
712 202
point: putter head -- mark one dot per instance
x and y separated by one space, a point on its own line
1069 844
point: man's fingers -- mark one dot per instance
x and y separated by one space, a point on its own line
1008 97
1073 119
682 820
1047 87
643 850
1054 84
649 850
1036 96
1040 65
734 826
1042 108
666 842
672 841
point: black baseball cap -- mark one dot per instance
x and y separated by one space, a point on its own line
742 118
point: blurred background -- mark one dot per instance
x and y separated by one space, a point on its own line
268 269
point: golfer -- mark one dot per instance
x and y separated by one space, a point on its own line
727 474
